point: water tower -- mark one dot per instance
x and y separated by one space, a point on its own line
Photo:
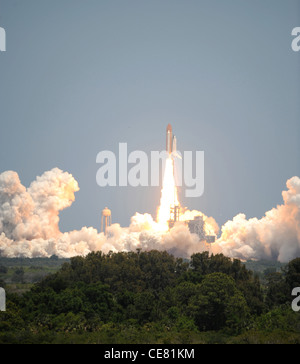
105 220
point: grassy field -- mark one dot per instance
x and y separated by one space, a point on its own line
20 274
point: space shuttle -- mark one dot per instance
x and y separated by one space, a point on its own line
171 145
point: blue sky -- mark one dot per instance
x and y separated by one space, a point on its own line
79 77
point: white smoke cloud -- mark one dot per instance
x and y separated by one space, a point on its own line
29 223
33 213
29 219
276 236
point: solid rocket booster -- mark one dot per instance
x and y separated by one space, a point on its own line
169 145
174 147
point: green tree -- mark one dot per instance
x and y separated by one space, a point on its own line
3 269
159 269
203 264
144 305
292 273
277 289
218 304
18 276
98 301
200 262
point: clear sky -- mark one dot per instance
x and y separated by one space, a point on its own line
81 76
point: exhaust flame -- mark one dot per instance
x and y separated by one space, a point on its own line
169 197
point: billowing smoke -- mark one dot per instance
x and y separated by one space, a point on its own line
33 213
144 233
29 226
276 236
29 221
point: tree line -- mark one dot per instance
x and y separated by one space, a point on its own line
142 290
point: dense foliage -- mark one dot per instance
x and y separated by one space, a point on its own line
154 297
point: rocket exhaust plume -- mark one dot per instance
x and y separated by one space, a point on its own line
169 145
169 196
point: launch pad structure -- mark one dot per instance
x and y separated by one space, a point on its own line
105 220
196 226
174 215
